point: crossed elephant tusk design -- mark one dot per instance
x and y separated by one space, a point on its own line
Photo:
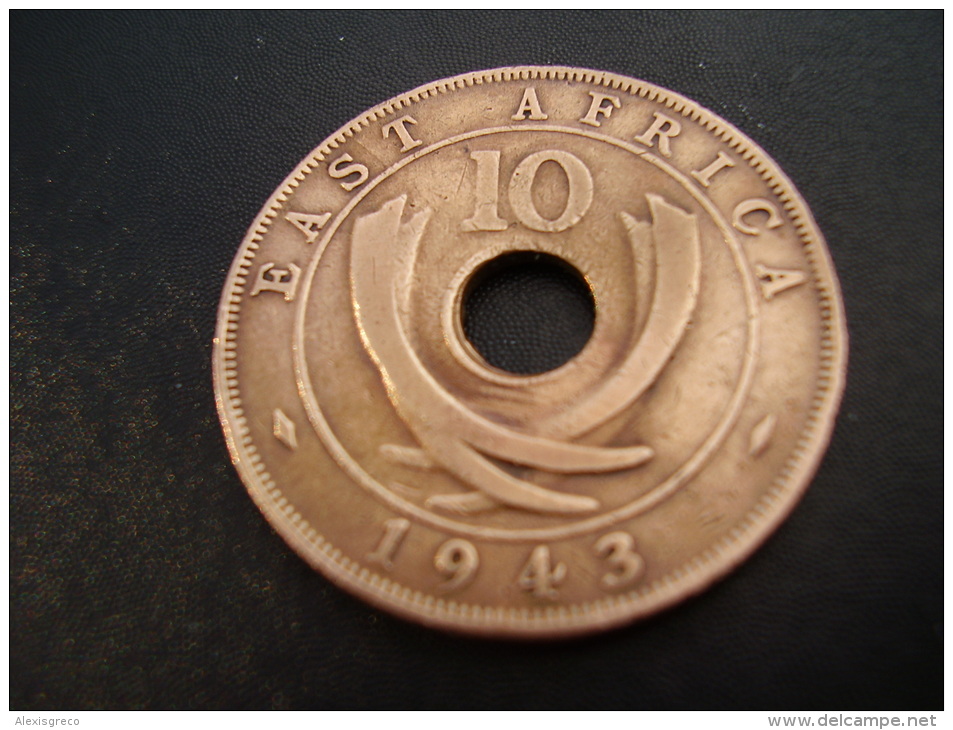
455 438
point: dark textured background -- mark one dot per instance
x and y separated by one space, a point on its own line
143 145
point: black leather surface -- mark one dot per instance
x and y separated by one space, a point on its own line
142 576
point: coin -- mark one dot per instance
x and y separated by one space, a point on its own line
388 447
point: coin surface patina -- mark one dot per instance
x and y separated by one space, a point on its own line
393 457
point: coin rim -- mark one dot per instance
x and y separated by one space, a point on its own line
697 574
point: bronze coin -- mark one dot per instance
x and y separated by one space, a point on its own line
379 441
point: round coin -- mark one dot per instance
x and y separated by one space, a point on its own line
650 451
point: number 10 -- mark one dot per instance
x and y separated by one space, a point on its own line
486 215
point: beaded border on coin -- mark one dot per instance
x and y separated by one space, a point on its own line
560 620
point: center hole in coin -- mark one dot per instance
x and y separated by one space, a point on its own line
528 312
